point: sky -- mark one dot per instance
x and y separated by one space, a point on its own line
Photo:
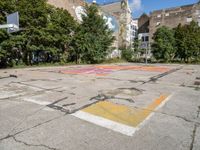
139 7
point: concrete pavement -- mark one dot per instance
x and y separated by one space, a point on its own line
118 106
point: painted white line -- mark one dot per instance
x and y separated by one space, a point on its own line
48 109
118 127
36 102
153 112
9 94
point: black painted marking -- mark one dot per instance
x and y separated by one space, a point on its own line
56 107
197 83
103 97
155 78
10 76
198 78
68 104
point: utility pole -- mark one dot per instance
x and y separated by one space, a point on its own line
146 56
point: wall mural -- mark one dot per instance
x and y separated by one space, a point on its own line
111 21
79 10
123 30
129 33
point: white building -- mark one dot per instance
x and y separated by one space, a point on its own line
134 28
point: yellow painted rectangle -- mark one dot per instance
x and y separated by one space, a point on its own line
123 114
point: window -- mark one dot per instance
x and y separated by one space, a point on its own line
167 14
146 38
189 19
143 39
159 16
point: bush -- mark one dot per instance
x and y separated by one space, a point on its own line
127 54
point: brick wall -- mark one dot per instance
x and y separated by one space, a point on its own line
173 16
143 24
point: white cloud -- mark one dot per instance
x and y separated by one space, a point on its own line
135 5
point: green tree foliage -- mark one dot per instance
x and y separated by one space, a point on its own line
188 42
136 45
138 51
5 8
46 33
181 44
163 47
127 54
93 38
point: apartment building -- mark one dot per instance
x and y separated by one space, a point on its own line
117 13
172 17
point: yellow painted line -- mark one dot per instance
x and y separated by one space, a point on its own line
123 114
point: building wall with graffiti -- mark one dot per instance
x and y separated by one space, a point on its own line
74 7
122 14
116 14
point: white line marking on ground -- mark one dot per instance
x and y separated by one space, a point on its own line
118 127
7 95
153 112
37 102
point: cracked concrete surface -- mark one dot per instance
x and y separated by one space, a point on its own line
35 108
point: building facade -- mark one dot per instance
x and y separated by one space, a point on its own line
172 17
74 7
121 12
143 32
134 28
117 15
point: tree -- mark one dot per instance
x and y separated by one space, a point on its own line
188 41
138 51
163 47
46 32
6 7
93 38
127 54
180 38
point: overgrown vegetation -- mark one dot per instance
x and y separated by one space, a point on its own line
45 35
127 54
51 35
134 53
180 44
93 38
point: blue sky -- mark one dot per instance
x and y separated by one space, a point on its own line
141 6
